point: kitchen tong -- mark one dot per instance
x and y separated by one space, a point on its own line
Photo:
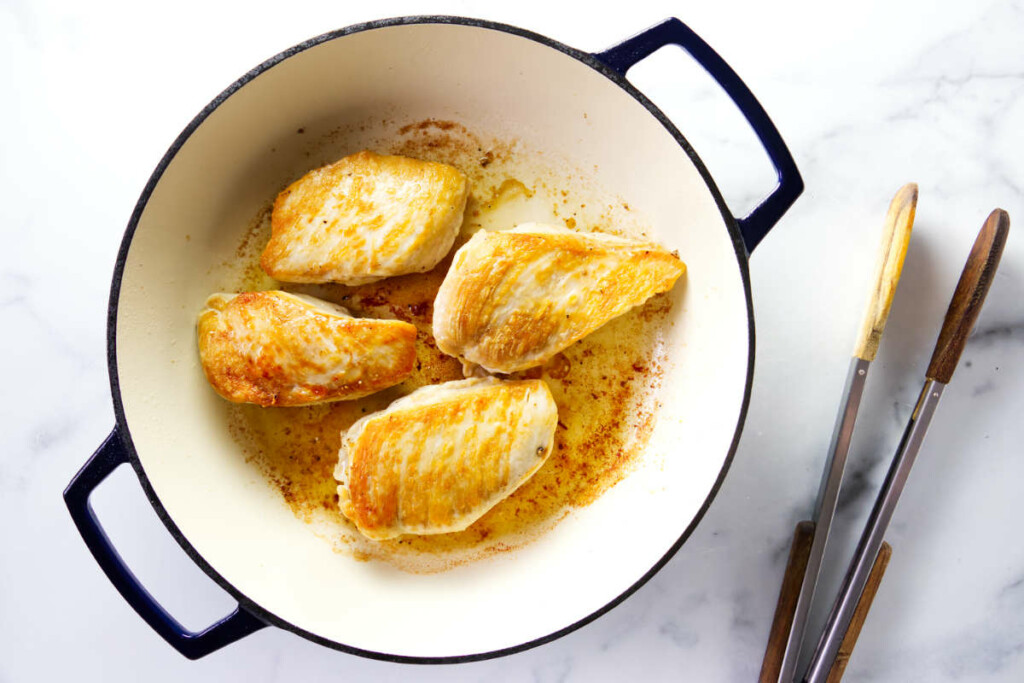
871 557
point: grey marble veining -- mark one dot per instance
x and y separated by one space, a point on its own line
867 96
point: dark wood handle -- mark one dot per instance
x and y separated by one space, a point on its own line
835 674
783 621
969 296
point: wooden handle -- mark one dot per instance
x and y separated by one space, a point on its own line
835 674
969 296
895 239
783 621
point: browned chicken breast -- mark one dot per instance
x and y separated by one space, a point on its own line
364 218
435 461
514 299
280 349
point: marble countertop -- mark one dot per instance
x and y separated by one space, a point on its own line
868 97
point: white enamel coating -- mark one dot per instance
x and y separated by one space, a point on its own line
509 86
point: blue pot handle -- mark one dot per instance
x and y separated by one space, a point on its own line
674 32
108 457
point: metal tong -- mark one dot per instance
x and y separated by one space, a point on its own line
872 555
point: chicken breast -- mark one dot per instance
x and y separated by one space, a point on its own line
364 218
435 461
512 300
280 349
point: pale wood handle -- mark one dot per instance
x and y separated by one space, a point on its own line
835 674
974 283
803 536
895 238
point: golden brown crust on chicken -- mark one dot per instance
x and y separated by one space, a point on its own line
364 218
279 349
438 459
514 299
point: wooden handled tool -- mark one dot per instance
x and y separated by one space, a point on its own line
787 602
835 674
792 581
811 536
895 240
969 296
963 311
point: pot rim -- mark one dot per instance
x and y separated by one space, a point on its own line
244 601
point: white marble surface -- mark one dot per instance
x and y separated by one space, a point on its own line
868 97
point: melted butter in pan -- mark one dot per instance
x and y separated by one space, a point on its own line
604 385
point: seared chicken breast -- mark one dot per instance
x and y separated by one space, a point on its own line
435 461
364 218
514 299
280 349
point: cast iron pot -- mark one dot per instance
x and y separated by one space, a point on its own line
508 82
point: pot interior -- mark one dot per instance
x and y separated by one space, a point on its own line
345 90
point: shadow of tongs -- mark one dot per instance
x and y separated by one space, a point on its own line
872 555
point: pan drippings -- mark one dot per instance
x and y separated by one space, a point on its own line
605 385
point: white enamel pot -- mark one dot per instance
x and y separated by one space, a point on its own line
234 526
